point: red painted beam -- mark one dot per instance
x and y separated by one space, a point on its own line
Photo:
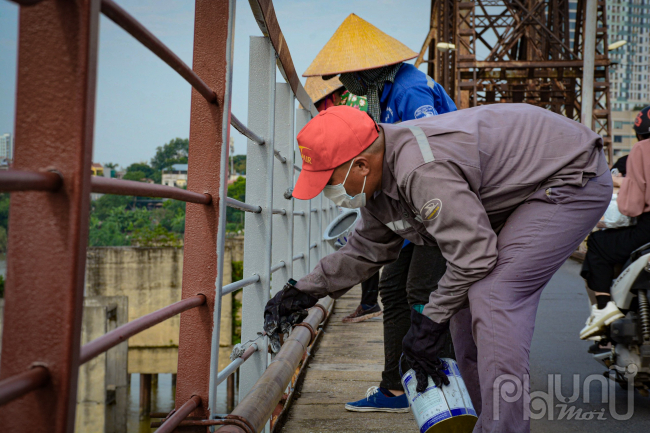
55 103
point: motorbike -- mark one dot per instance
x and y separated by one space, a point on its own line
629 336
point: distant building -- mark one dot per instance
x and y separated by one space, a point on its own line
629 20
7 146
97 169
176 176
623 135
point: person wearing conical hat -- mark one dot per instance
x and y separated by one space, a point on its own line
329 93
371 63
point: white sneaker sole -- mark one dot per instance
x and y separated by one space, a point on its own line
600 324
375 409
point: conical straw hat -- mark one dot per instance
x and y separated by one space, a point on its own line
317 88
355 46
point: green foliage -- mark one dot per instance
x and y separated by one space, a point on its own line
235 217
239 164
110 165
174 152
237 274
141 170
116 221
158 236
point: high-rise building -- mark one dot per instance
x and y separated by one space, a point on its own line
6 146
629 20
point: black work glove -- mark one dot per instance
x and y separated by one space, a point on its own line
421 345
283 311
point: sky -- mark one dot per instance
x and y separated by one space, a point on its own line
142 103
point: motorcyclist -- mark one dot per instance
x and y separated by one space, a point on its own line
611 247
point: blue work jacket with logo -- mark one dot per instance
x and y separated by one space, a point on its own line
413 95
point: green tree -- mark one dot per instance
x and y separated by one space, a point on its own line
235 217
239 164
174 152
142 170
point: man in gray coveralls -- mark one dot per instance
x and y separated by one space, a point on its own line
507 191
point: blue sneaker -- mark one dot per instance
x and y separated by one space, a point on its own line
376 401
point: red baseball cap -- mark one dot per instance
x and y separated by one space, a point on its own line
334 136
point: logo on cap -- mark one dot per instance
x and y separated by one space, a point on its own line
431 209
306 159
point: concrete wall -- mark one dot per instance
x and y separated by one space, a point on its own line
102 395
151 279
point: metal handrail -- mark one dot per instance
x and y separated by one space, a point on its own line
258 405
20 384
183 412
298 256
233 366
107 185
23 180
236 204
124 332
229 288
279 266
279 156
123 19
244 130
267 21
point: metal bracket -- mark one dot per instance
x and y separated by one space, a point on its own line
240 348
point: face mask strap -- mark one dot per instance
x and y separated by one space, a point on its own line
349 170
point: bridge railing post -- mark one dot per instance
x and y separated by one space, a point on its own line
302 219
283 181
259 190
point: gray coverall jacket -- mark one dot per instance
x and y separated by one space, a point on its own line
453 180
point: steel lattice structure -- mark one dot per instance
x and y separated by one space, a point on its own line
518 51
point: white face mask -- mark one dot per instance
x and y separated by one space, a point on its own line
340 197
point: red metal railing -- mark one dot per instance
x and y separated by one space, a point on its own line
128 330
57 63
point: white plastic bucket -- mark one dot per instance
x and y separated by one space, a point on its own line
447 409
340 229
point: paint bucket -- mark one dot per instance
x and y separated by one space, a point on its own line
447 409
340 229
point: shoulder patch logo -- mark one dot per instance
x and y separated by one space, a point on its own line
425 111
431 209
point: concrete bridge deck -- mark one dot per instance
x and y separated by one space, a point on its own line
349 360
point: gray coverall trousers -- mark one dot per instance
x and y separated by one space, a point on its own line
492 337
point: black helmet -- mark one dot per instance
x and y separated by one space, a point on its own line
642 122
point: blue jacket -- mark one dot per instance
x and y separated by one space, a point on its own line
413 95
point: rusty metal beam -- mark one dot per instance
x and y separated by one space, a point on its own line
122 18
107 185
20 384
128 330
181 413
55 100
523 64
22 180
256 408
208 156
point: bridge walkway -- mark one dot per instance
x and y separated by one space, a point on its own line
348 361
